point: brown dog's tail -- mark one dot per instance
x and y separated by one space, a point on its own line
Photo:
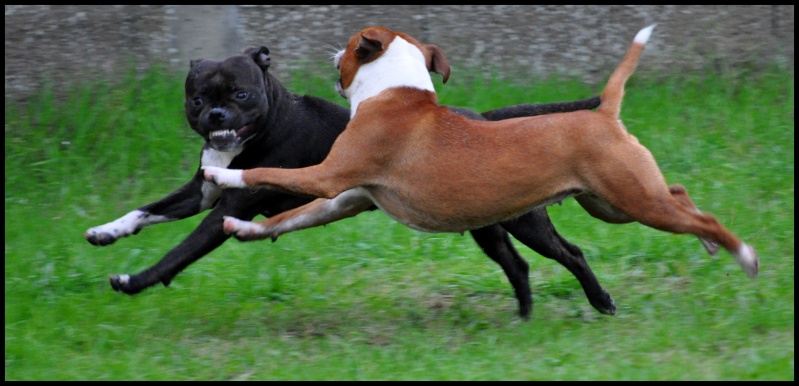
614 90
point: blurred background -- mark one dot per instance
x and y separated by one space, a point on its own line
69 42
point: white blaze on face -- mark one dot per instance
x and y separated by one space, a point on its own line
401 65
211 157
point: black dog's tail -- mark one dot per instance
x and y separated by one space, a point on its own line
614 90
528 110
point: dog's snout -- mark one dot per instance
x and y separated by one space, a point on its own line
217 115
340 89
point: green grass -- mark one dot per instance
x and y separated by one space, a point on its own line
368 299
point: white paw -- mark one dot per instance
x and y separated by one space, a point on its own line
244 230
747 257
123 279
225 178
124 226
129 224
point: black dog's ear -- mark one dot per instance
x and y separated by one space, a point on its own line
260 55
194 62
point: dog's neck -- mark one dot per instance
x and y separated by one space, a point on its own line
402 65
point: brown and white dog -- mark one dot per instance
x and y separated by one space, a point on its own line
436 171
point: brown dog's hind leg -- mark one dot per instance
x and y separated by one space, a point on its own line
660 209
627 179
681 195
601 209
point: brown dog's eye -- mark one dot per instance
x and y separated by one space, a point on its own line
241 95
198 101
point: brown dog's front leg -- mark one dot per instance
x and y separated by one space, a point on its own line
321 211
303 181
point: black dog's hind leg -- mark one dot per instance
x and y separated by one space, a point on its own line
536 231
494 242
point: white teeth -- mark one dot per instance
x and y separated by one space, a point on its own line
222 133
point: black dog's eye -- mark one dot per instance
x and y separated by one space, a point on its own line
241 95
198 101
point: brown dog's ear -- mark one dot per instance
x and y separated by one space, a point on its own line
372 43
260 55
436 61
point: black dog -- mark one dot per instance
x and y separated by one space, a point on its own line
248 119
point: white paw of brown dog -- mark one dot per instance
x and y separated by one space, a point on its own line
244 230
226 178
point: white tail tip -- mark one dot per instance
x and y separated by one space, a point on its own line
643 35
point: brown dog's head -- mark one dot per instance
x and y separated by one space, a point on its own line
388 53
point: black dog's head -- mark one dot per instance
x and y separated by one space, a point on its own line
226 102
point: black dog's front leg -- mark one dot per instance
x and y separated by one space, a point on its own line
204 239
209 235
188 200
